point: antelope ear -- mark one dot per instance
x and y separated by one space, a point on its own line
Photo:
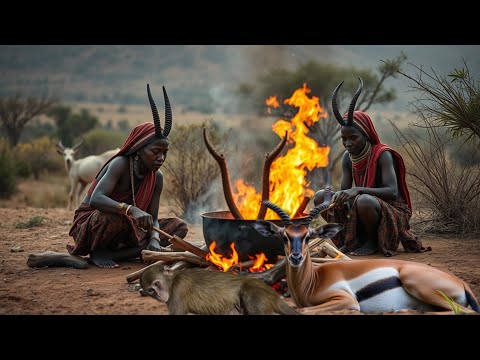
326 231
267 228
60 151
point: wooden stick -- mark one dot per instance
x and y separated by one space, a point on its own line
148 255
176 240
333 252
302 207
136 275
328 208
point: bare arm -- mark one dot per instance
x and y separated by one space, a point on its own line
100 198
112 178
153 207
387 190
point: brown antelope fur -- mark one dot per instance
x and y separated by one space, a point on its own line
368 286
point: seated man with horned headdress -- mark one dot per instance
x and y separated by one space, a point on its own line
377 210
117 217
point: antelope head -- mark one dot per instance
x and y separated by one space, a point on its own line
297 236
68 153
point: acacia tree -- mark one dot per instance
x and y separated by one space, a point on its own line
17 111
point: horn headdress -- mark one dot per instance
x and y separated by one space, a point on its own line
351 109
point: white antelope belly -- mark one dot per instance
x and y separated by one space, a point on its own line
380 290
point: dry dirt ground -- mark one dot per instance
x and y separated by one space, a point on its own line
61 291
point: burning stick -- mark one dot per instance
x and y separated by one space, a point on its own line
302 207
266 175
227 190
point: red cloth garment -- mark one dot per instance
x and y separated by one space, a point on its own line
363 123
394 227
93 229
140 136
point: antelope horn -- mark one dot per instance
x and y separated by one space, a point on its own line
60 145
335 106
266 175
168 114
283 215
75 147
227 190
320 207
156 118
354 101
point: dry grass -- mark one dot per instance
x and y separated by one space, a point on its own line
48 192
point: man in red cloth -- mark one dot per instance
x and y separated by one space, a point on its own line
116 218
377 210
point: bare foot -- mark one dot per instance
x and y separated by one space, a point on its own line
103 259
365 249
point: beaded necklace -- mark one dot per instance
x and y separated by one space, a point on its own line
359 160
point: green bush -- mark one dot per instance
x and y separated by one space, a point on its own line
97 141
39 156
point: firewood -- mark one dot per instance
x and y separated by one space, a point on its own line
302 207
148 255
332 251
178 241
136 274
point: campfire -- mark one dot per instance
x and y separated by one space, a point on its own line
232 244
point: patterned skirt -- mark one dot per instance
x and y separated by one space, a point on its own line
394 228
93 229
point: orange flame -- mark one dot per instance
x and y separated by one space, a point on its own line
272 101
226 263
288 185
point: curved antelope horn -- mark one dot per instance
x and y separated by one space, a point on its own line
60 145
354 101
168 114
266 175
337 114
156 118
75 147
283 215
227 190
320 207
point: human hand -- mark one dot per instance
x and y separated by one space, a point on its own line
154 244
142 219
343 196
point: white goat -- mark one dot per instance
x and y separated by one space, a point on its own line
82 171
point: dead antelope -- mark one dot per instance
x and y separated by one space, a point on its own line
368 286
81 172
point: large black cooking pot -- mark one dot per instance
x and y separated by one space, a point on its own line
224 229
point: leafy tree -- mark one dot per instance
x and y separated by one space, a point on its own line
17 111
71 125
